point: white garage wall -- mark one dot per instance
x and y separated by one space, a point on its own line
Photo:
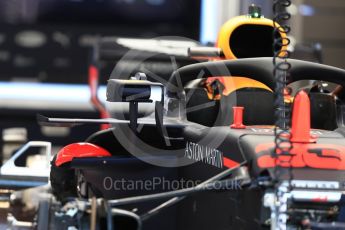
213 14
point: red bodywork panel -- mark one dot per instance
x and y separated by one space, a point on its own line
227 162
320 156
79 150
305 151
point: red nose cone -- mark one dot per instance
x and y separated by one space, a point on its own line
238 118
300 130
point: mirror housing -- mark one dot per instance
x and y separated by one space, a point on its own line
137 90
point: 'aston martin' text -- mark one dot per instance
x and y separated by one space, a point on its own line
205 154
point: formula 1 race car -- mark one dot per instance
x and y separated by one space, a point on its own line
209 154
312 186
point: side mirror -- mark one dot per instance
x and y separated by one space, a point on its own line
137 90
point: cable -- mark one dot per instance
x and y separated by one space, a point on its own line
281 72
93 81
283 145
